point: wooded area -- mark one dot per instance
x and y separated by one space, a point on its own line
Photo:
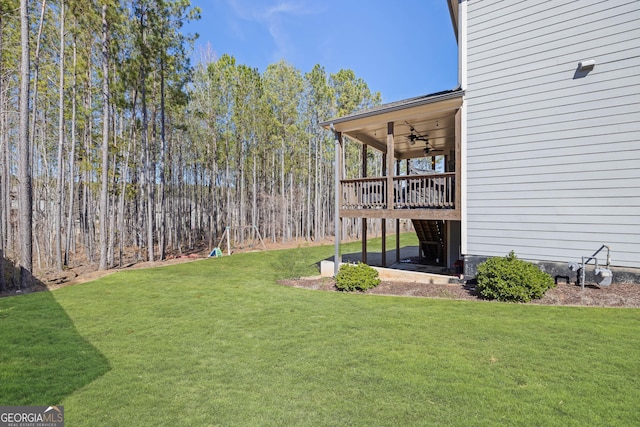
113 146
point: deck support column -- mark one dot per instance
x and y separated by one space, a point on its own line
364 239
389 171
364 220
383 221
458 161
398 222
384 242
397 240
337 258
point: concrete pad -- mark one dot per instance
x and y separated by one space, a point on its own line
392 274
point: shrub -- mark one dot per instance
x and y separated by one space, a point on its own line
356 277
511 279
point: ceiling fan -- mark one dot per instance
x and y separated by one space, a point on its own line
428 150
415 136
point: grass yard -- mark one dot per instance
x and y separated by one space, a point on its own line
219 342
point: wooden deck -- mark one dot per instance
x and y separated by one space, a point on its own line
431 196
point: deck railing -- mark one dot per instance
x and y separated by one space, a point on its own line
433 191
364 193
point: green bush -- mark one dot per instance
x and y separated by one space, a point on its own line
356 277
511 279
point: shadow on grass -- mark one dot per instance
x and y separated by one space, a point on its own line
43 357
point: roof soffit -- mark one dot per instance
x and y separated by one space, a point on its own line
431 117
408 114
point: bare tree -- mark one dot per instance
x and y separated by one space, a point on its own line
72 154
104 205
24 169
60 178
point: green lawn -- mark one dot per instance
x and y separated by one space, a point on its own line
219 342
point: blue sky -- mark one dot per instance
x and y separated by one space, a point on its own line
401 48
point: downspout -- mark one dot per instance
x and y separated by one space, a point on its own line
337 259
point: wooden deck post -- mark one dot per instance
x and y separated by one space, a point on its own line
389 166
364 220
384 242
337 258
390 161
398 221
458 161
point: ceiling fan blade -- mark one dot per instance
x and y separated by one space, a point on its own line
428 150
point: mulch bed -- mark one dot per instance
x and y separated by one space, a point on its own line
616 295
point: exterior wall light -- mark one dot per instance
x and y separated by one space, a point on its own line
585 66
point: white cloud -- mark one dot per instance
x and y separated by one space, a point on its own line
273 16
258 11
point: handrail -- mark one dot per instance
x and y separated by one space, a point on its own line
364 193
367 179
428 191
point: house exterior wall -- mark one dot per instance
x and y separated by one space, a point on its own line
552 155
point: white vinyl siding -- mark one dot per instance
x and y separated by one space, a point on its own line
553 159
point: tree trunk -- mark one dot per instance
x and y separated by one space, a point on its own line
72 155
60 179
123 192
316 204
88 225
24 170
283 197
36 72
308 198
104 200
163 142
5 203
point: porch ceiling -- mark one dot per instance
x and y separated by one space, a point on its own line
431 116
